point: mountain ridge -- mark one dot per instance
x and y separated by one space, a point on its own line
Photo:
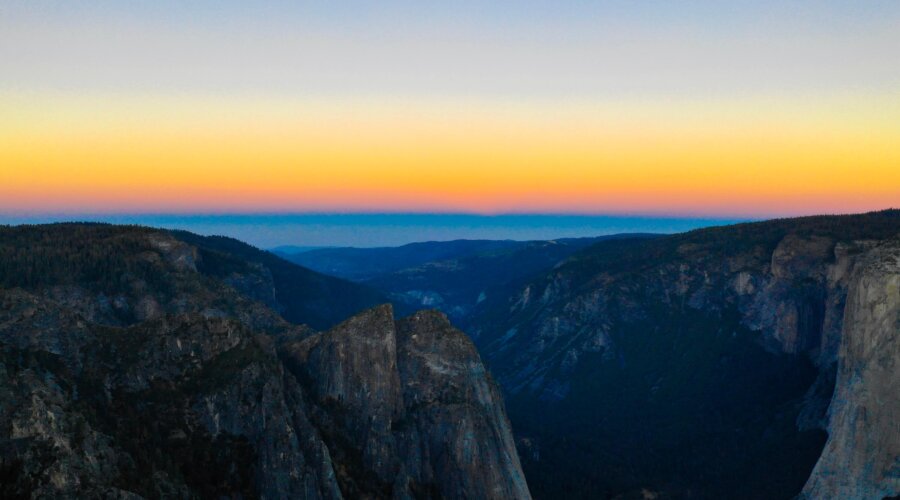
592 341
744 361
136 365
453 276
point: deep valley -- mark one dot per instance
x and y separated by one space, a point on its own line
755 360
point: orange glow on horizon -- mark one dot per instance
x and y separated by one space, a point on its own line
749 156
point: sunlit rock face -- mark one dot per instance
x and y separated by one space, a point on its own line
422 415
862 456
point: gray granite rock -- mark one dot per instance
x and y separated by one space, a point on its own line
862 456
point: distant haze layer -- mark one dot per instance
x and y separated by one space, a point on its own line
370 230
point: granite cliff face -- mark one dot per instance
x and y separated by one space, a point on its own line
750 361
660 357
862 456
409 407
134 364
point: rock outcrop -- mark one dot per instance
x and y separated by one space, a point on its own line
182 405
135 365
410 408
862 456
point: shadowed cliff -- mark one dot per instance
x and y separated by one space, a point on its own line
135 364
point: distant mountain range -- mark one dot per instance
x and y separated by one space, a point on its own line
756 360
293 249
714 363
453 276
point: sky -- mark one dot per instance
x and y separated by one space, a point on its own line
658 109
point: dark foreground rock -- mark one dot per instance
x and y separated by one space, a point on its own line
145 377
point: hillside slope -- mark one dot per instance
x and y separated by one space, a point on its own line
81 260
360 264
299 294
136 365
452 276
694 365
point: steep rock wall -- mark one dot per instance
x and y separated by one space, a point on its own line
862 456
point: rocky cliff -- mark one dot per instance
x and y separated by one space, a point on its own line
862 456
702 364
134 364
409 408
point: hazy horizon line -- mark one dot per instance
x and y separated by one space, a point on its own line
410 213
387 229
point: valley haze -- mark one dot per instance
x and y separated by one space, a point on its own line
390 229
